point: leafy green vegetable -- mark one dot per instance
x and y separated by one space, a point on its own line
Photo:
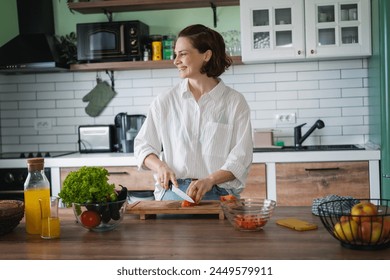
87 185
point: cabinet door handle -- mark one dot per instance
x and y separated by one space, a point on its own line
312 51
322 169
119 173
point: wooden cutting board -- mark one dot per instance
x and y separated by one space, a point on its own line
144 208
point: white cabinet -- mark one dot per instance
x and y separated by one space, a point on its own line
283 30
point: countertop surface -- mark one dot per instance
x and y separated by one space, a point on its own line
183 237
127 159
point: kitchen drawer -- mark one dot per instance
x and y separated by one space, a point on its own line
297 184
256 182
128 176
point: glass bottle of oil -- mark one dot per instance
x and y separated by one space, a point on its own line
36 187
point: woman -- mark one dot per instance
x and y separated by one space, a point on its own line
197 136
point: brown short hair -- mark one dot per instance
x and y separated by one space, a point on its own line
203 38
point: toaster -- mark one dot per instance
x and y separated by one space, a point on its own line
96 138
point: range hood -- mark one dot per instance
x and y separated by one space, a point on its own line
35 48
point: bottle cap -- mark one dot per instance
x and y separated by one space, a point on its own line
35 164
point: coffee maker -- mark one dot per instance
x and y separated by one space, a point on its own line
127 128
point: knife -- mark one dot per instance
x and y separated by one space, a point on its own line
182 194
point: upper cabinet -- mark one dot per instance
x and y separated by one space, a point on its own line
297 29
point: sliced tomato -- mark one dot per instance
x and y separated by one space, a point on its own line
228 197
249 221
186 203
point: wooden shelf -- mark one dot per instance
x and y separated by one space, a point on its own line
132 65
114 6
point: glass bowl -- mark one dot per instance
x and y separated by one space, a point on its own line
248 214
100 216
365 227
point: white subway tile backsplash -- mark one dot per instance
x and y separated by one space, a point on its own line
354 73
253 68
297 66
54 77
41 104
319 113
318 75
335 91
39 139
273 77
320 93
255 87
298 85
341 64
341 102
341 83
8 88
36 87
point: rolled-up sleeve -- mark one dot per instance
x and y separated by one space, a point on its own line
147 141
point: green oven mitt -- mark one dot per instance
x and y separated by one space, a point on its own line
98 98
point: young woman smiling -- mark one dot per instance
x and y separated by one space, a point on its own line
197 136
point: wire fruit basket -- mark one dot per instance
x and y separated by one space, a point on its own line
362 224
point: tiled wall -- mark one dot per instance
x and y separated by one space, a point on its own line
335 91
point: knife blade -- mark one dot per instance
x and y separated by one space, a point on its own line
182 194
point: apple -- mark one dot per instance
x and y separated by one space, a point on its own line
346 230
345 218
370 232
386 228
362 211
385 222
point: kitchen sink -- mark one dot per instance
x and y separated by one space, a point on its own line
310 148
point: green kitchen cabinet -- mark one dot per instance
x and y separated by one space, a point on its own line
379 89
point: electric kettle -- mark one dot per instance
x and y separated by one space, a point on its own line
127 128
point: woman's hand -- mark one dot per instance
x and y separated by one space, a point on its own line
198 188
165 175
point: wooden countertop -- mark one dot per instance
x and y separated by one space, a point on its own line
198 237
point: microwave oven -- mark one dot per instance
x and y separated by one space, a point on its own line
111 41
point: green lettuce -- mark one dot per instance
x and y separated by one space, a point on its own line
87 185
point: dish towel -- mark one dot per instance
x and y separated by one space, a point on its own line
348 203
98 98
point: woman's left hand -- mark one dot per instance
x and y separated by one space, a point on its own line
198 188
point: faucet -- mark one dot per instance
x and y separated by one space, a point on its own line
298 138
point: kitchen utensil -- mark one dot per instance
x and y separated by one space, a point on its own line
182 194
349 230
248 214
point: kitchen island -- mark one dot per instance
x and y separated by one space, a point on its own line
183 238
270 159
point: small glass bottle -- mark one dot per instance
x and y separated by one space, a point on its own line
36 187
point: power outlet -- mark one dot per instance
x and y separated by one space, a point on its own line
42 124
287 118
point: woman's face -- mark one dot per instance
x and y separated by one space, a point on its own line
188 59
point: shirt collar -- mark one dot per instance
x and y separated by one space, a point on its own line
216 93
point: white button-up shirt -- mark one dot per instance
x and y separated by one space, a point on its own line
199 138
